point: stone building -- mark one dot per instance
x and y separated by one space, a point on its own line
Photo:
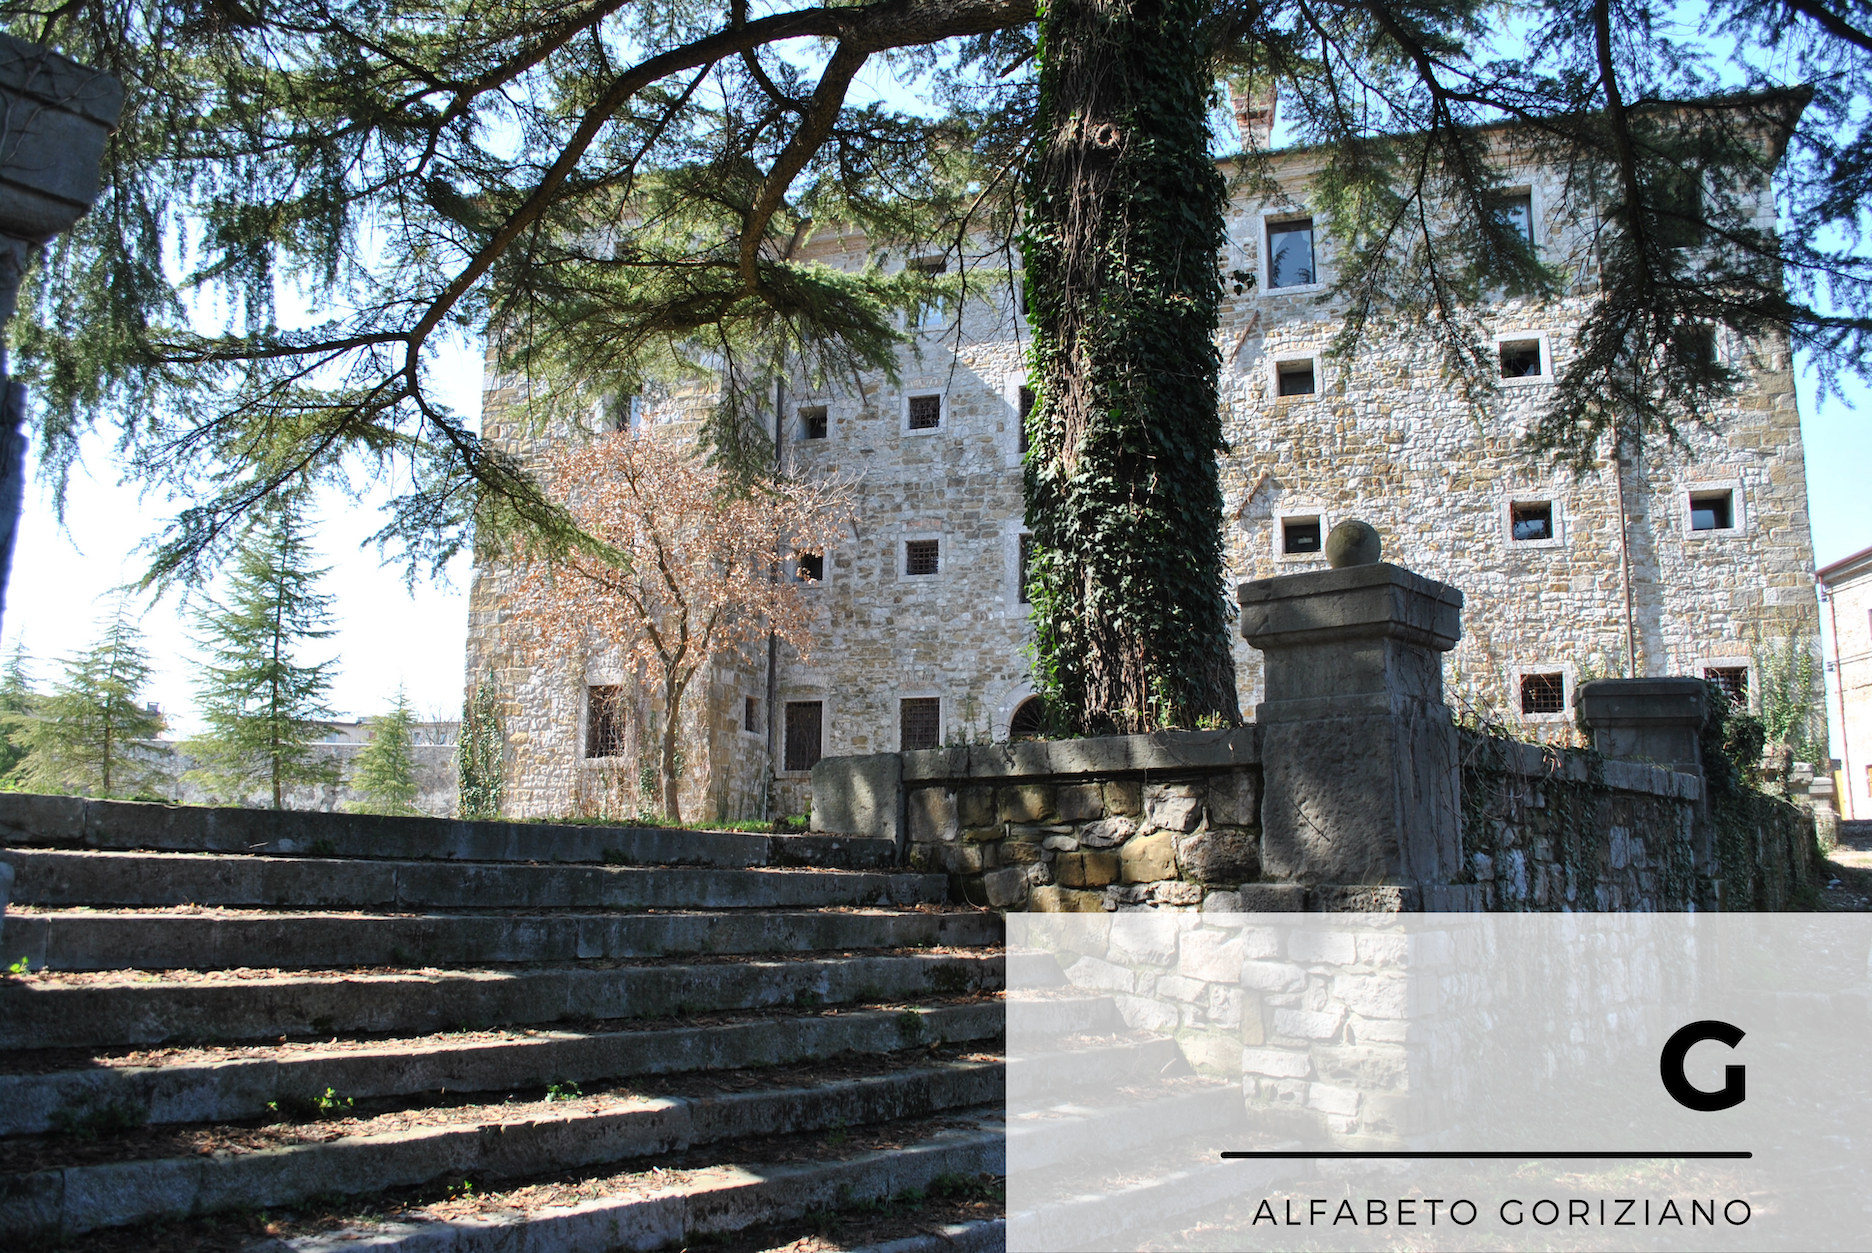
1688 560
1846 618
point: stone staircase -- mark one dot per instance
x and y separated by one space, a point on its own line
244 1030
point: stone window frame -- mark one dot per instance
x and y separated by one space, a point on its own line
1280 517
804 697
598 680
1265 269
1738 508
1546 377
1278 359
759 731
943 556
1534 496
825 569
1731 661
1011 386
1011 540
945 416
800 405
918 320
1536 209
1567 679
898 698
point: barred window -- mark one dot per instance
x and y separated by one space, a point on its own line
1026 410
805 728
920 722
921 556
925 413
604 721
1543 693
1733 680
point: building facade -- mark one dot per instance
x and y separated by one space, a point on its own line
1685 560
1846 619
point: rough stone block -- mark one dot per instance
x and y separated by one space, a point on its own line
1304 1024
1081 802
1232 800
1172 812
1253 1023
1146 938
1225 1005
975 806
1334 948
1024 802
1124 797
1211 1052
1219 855
984 835
932 812
1177 988
1330 1100
1366 898
965 858
1371 1067
1086 870
1273 898
1020 853
1266 976
1059 843
1277 1063
1146 1015
1107 832
1381 996
1007 889
1149 858
1215 956
1223 905
859 796
1064 900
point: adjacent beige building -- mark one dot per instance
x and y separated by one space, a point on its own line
1846 617
1690 560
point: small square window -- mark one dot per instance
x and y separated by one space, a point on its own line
1520 358
809 567
921 556
1300 535
604 721
1290 253
920 722
1732 680
1531 520
1295 378
813 423
1516 212
1543 693
1026 568
1026 406
1712 511
750 714
925 413
805 726
625 413
1677 208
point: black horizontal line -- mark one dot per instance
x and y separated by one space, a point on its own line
1724 1154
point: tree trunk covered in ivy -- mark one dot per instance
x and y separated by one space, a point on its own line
1124 223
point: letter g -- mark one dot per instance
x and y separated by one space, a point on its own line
1671 1066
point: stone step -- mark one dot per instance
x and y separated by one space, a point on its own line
1033 1075
1069 1209
223 940
60 1010
1053 1135
1038 1017
78 822
59 877
486 1142
231 1084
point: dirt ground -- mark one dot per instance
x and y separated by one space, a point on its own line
1849 885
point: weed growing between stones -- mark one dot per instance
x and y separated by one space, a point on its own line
327 1104
87 1121
566 1090
20 967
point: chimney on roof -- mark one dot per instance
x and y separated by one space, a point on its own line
1254 112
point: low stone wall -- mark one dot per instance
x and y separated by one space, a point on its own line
1085 825
1546 830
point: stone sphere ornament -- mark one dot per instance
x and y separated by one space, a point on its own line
1353 543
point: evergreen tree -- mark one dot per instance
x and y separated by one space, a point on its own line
18 700
479 750
261 707
385 771
81 737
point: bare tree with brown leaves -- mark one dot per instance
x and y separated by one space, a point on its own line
696 573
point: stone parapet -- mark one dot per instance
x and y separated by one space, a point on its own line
1358 748
1659 721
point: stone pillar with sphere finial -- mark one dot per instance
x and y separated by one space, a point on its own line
55 116
1359 752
